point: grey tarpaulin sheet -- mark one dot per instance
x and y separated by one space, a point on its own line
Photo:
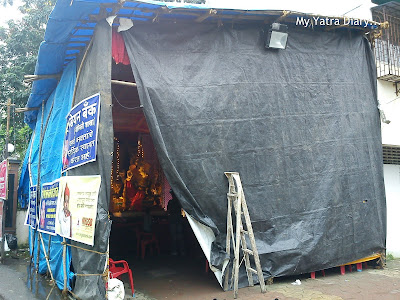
301 126
96 78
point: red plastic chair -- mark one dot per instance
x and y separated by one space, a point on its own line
149 238
117 271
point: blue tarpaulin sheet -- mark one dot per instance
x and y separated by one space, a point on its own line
52 51
53 126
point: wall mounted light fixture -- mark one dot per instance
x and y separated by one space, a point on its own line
276 37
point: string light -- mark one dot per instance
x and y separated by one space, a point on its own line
112 170
112 176
118 157
140 152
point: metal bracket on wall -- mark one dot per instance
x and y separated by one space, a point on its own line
397 87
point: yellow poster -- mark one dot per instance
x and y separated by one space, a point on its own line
77 207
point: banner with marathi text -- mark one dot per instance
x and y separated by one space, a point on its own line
80 143
3 179
1 218
30 219
77 207
48 205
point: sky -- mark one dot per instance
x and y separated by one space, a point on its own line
328 8
9 12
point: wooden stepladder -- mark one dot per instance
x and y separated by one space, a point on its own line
237 200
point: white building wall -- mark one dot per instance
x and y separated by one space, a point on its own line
392 186
390 103
22 231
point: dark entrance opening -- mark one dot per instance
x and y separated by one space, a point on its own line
141 229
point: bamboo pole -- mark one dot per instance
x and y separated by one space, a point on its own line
48 247
38 189
24 109
30 228
46 257
42 133
37 255
52 288
65 289
31 78
78 75
31 258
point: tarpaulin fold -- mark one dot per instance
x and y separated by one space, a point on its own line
300 125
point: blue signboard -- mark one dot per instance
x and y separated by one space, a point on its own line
48 207
80 143
31 214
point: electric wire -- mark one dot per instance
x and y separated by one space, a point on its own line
123 106
392 100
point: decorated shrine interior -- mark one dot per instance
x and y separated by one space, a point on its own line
140 192
135 170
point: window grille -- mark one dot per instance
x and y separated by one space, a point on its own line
391 155
387 46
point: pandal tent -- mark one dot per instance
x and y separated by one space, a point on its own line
301 125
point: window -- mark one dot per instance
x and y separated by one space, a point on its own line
387 44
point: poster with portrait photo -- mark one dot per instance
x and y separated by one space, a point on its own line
77 208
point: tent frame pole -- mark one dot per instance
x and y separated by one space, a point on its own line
65 289
78 75
46 257
126 83
38 190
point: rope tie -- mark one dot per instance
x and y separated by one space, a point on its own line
89 250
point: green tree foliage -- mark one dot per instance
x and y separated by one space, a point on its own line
19 44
